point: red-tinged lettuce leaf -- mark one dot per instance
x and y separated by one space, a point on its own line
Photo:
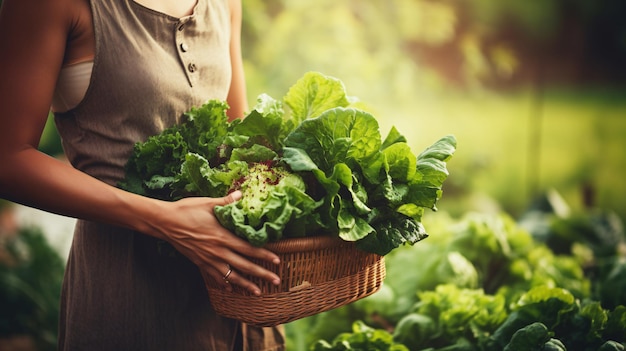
273 201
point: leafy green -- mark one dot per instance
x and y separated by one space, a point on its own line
31 274
273 200
483 283
313 94
461 312
596 237
363 338
415 330
155 165
533 337
612 346
376 194
336 175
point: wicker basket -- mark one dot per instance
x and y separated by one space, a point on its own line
317 274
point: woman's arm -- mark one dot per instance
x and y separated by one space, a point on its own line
237 97
32 54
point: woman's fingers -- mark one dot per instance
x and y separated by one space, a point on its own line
238 257
246 249
243 266
218 276
236 278
230 198
228 273
197 234
226 276
219 257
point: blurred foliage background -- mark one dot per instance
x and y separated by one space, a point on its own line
533 90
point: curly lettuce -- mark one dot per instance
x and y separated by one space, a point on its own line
274 202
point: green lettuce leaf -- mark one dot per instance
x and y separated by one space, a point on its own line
314 94
531 337
197 177
393 137
205 128
363 337
339 135
426 186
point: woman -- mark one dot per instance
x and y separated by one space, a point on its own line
114 73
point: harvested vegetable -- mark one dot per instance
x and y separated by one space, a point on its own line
308 164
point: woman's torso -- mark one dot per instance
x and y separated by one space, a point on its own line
75 73
148 69
81 42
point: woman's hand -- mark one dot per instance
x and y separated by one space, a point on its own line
192 228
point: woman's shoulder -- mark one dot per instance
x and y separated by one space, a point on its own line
58 9
42 14
34 22
81 36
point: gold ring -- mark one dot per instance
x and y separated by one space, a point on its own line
225 277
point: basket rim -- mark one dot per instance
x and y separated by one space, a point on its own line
308 243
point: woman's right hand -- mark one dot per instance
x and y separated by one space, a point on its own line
192 228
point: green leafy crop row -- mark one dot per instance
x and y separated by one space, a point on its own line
486 283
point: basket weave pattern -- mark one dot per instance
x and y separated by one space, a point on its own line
317 274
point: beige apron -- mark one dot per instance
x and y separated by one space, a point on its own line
119 293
